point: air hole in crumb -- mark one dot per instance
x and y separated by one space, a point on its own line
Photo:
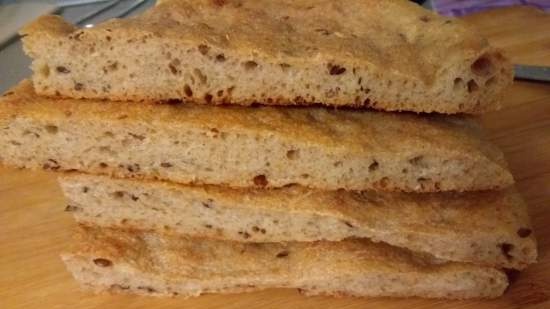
524 232
172 101
173 69
207 203
249 65
284 66
51 129
166 164
110 68
203 49
71 208
506 248
458 83
198 73
78 86
334 69
417 161
491 81
424 182
322 31
118 194
282 254
482 66
101 262
62 69
373 166
137 136
348 224
103 165
245 235
208 98
187 90
292 154
146 288
472 86
173 66
85 189
425 19
260 180
220 58
133 168
337 164
51 164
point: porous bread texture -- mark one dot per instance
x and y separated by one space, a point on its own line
244 147
486 228
390 55
166 265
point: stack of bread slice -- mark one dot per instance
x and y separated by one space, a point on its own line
185 181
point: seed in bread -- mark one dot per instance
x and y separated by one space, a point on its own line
242 147
389 55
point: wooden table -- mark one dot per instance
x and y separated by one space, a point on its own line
34 228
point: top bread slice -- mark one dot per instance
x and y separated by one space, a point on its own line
391 55
169 265
246 147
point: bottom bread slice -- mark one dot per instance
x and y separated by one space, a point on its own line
168 265
487 228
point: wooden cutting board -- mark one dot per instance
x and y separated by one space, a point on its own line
34 228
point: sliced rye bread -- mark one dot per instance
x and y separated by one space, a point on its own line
166 265
390 55
486 228
244 147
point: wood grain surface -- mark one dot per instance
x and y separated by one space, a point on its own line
34 228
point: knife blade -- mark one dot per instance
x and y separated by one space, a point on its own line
532 72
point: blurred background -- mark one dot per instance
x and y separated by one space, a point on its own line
16 13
